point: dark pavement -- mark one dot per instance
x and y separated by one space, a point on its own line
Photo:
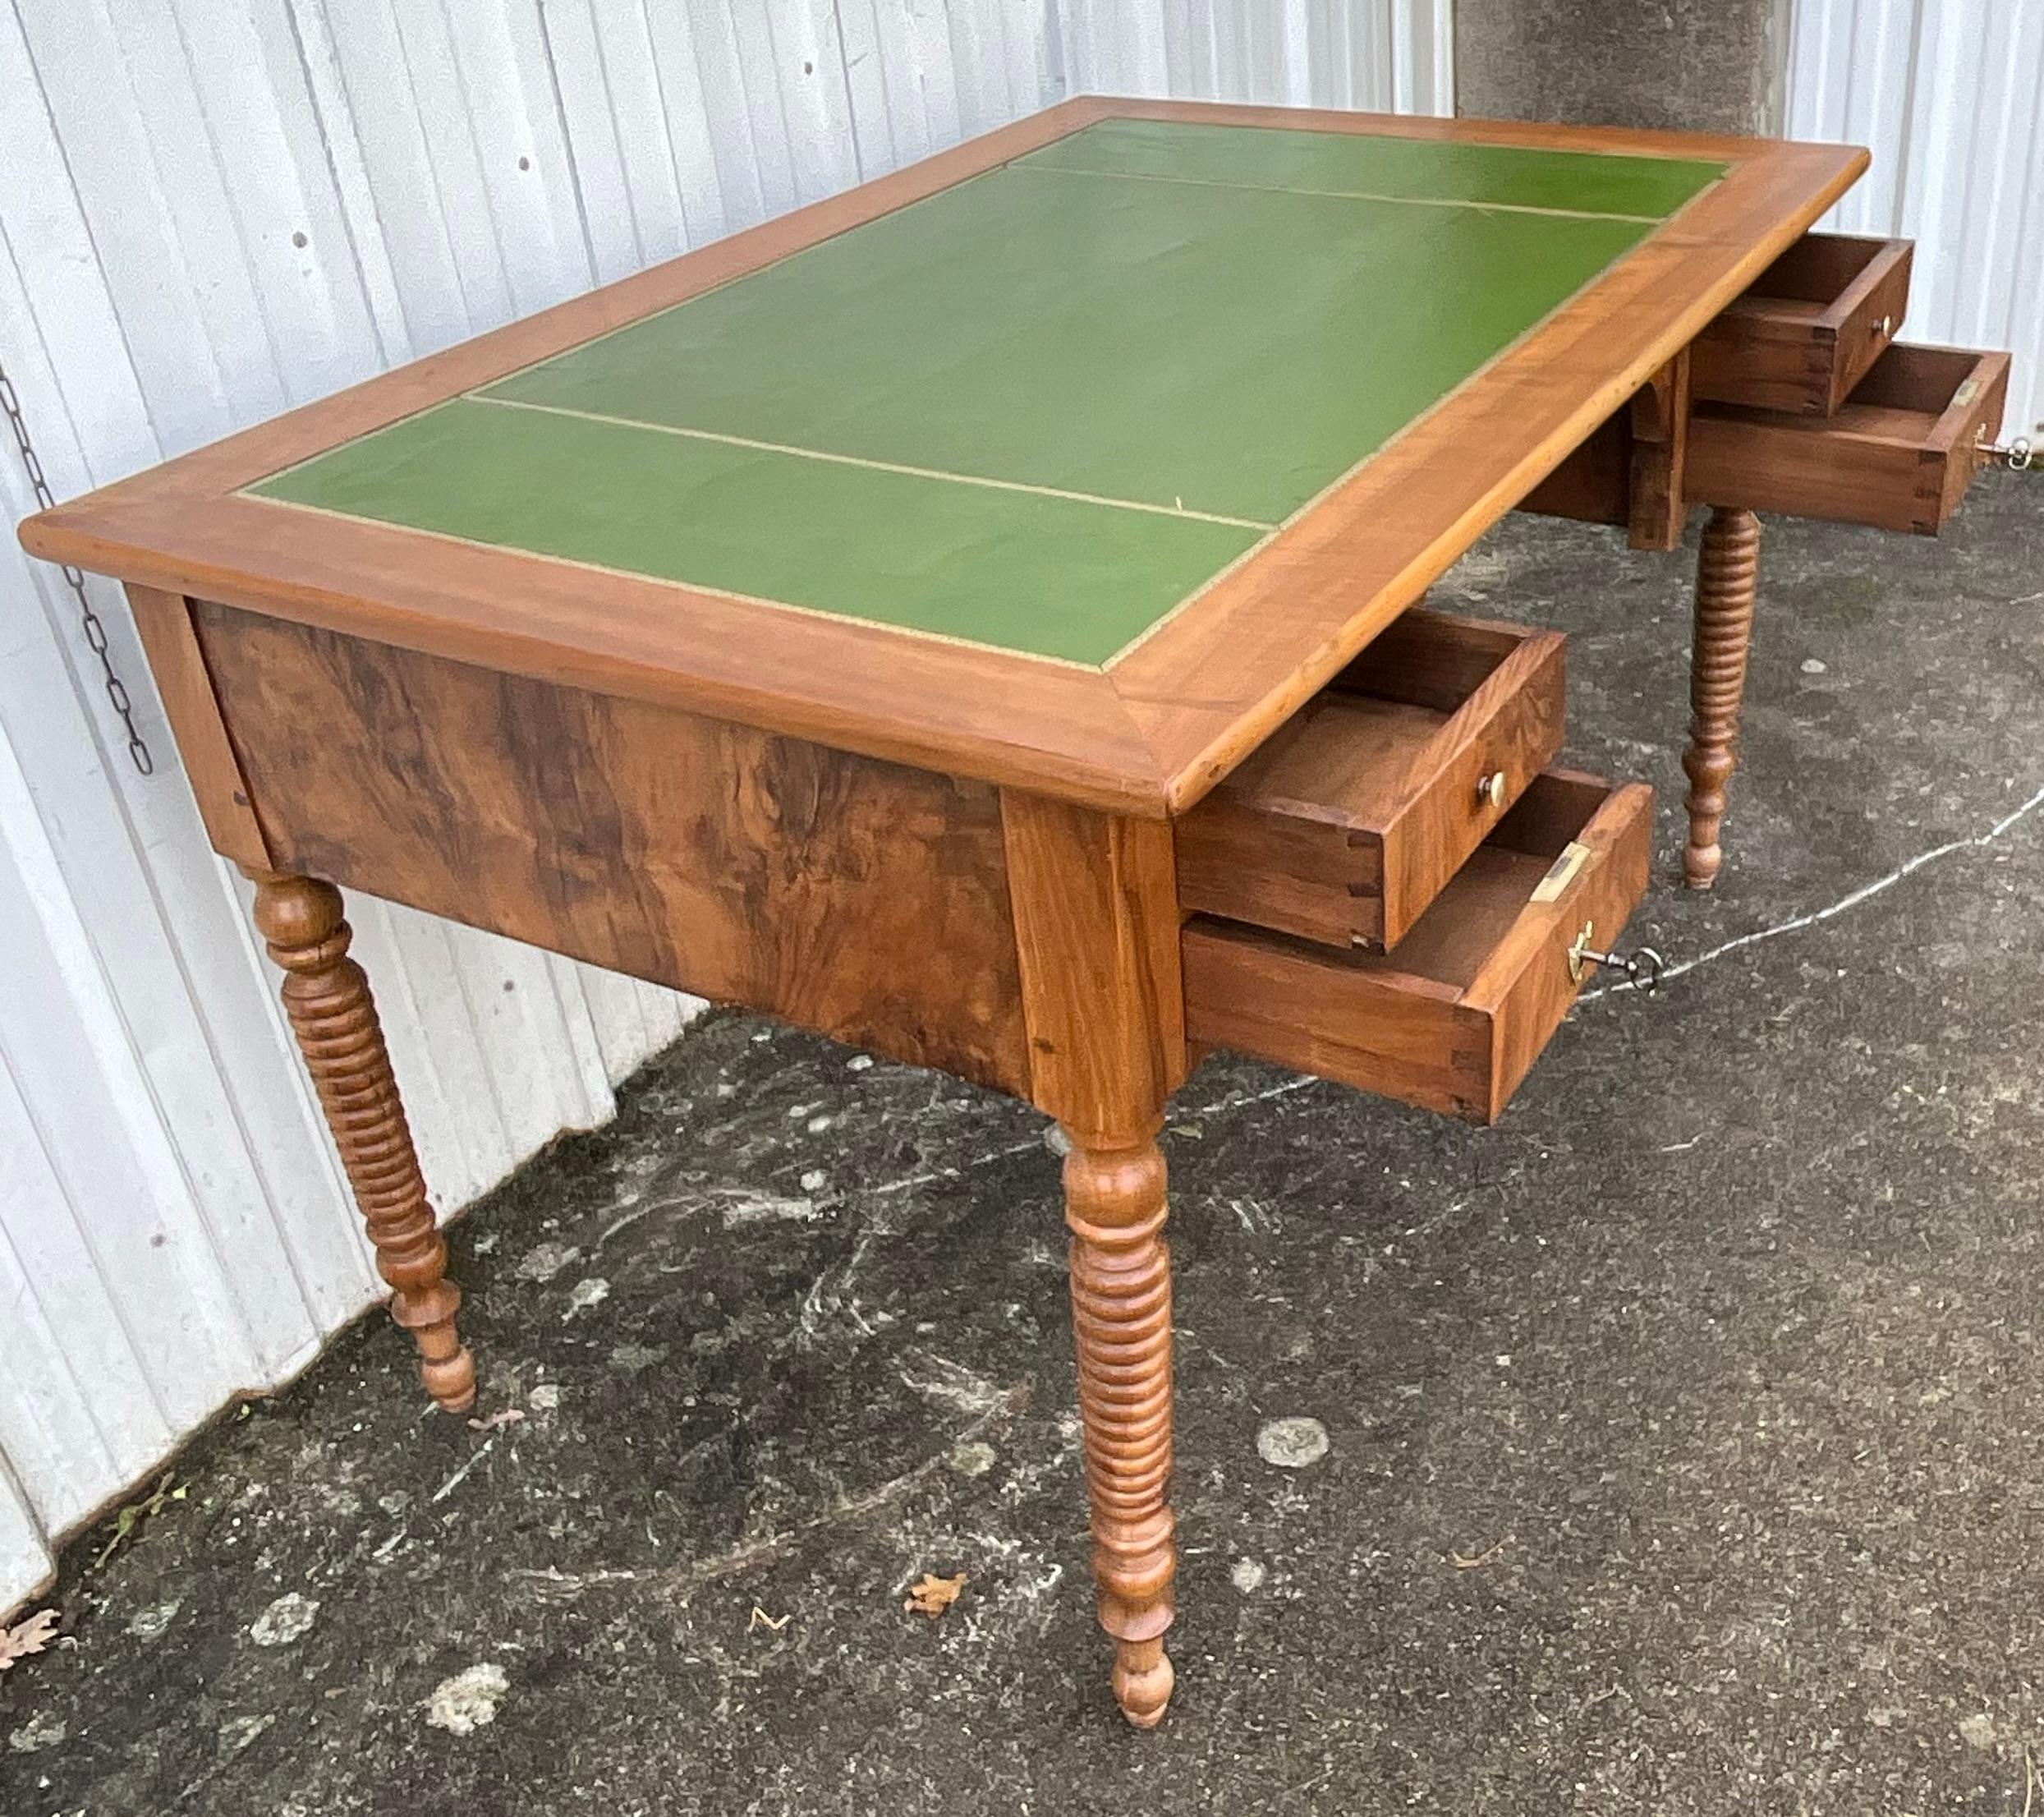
1684 1445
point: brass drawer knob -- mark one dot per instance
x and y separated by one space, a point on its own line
1490 789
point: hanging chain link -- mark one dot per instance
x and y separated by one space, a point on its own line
95 630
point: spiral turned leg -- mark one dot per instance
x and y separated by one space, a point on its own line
327 997
1728 571
1121 1313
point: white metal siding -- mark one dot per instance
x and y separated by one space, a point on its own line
210 214
1950 98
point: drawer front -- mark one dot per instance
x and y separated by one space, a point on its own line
1454 1019
1352 817
1897 456
1809 330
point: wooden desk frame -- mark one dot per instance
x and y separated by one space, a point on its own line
779 808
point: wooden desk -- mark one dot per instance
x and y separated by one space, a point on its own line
978 576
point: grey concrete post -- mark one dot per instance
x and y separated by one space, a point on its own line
1705 66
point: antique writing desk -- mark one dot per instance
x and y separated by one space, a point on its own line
969 617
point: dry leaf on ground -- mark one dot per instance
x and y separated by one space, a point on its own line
932 1596
128 1522
1480 1559
26 1637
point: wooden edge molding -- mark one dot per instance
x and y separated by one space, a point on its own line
193 709
1529 135
1148 737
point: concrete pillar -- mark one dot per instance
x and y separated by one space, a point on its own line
1702 65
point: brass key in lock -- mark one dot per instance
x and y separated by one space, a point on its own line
1642 967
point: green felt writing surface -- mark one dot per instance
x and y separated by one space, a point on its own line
1048 576
1161 317
1593 182
1231 350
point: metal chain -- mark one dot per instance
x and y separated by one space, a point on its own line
95 630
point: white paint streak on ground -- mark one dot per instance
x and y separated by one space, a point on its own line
684 1579
238 1732
937 1174
1865 893
741 1208
558 1578
939 1380
830 1296
544 1261
454 1481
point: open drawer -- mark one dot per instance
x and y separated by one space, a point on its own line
1899 455
1453 1019
1809 330
1352 817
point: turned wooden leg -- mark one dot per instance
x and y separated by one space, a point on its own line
1121 1312
1728 570
326 996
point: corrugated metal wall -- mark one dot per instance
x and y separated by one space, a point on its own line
208 214
1951 98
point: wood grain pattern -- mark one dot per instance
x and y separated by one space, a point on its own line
1659 418
328 1000
1120 1320
1354 815
1524 987
1897 455
1811 327
859 899
1632 469
1148 737
1728 576
1096 925
163 621
1096 918
1594 482
1454 1019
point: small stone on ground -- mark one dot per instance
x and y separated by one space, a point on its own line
1292 1442
288 1619
468 1700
